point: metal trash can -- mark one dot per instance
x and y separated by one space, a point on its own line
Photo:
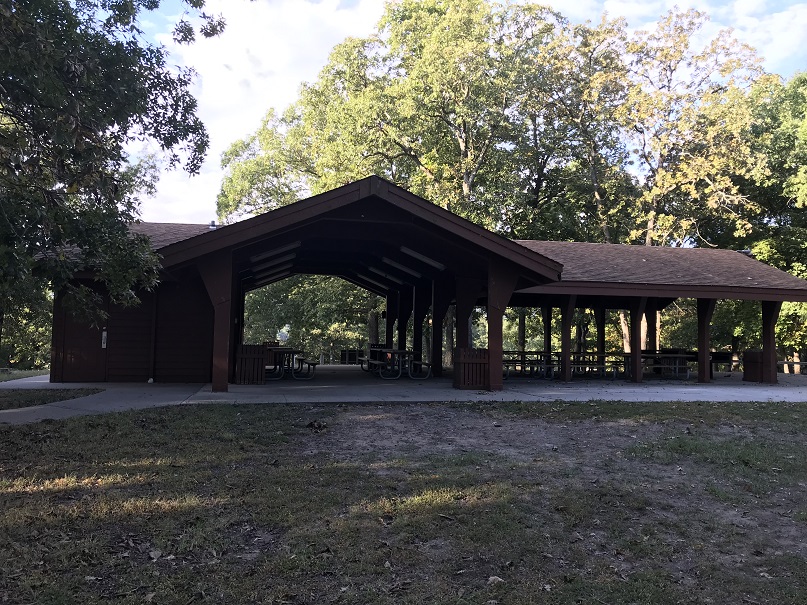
752 366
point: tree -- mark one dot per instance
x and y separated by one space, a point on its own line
687 120
526 124
78 82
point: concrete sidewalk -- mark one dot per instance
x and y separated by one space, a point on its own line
348 384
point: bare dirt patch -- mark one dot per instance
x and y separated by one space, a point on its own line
420 503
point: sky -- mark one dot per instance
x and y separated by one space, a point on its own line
270 47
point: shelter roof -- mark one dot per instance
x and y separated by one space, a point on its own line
370 232
382 237
664 271
165 234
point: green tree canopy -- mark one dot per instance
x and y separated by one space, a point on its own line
78 83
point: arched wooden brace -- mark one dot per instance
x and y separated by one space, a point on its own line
422 302
442 293
392 314
502 281
706 308
566 317
770 314
636 312
217 274
405 304
468 291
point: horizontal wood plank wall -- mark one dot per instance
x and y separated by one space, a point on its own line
184 335
129 341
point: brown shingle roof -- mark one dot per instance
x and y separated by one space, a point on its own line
636 265
165 234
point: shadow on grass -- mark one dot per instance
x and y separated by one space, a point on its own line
245 504
12 399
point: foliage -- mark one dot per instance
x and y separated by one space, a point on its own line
321 315
78 83
26 334
536 127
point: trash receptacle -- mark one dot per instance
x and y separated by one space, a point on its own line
471 369
752 366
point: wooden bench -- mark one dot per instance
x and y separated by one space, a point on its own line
601 368
782 364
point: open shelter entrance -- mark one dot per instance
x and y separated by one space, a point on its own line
421 259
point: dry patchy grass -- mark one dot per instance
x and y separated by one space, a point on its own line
24 398
507 503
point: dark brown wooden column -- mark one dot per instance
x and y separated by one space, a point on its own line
599 322
405 304
770 314
467 294
236 327
502 281
217 275
422 302
392 315
706 308
636 312
651 317
546 318
566 317
442 293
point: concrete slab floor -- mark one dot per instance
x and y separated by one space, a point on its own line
348 384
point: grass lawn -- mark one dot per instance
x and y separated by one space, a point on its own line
420 503
24 398
15 374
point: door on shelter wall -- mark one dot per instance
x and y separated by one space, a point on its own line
84 351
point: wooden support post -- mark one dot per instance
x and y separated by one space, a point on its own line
392 315
502 280
599 322
441 299
468 291
405 304
706 308
566 317
637 310
422 302
651 320
770 314
236 326
546 318
217 275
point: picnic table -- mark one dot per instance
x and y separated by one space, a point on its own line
390 364
287 361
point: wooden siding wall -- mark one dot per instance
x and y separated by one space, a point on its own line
76 351
129 341
184 332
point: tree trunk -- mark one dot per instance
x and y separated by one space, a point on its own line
372 327
522 329
448 341
797 360
623 323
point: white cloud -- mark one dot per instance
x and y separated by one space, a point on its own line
266 51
